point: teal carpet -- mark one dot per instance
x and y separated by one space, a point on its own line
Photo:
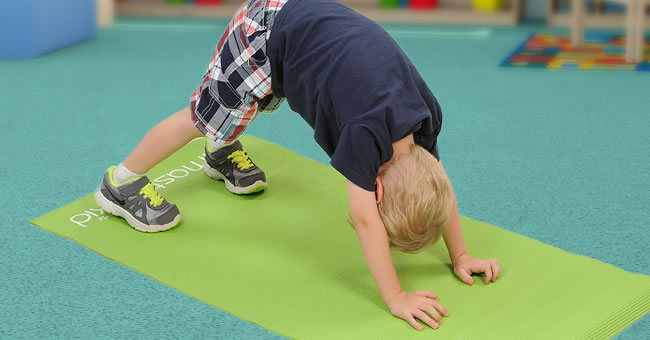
557 155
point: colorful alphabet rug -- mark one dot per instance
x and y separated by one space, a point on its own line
600 51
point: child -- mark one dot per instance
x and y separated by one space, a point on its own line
370 110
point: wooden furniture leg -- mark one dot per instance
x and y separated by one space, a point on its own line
105 13
577 23
630 30
639 39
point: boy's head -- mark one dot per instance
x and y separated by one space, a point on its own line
414 200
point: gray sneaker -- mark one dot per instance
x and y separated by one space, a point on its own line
232 165
138 202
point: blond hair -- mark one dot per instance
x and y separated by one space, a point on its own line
417 200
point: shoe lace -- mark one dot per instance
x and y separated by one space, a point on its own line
148 191
241 159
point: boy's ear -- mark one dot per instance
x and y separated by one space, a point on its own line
379 192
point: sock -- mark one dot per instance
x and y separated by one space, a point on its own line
121 175
214 146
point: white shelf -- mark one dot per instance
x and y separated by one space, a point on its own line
449 12
591 20
604 20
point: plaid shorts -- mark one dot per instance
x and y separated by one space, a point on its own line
237 84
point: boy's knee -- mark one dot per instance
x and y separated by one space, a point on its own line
190 123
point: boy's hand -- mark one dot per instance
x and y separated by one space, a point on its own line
420 304
465 265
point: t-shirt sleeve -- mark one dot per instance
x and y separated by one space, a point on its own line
360 152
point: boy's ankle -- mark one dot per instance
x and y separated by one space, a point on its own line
122 174
214 146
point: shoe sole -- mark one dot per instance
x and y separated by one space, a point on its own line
116 210
251 189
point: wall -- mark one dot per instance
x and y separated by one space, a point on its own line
536 9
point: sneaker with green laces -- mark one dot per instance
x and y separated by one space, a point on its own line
138 202
233 165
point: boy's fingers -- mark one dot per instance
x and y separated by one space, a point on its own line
438 306
433 312
464 275
488 273
495 271
414 323
426 293
426 319
498 266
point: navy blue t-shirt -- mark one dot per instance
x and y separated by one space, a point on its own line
352 83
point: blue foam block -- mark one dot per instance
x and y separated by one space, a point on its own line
30 28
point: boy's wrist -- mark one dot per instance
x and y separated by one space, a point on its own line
390 298
457 257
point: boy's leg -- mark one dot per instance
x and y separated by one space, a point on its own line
221 108
135 198
163 140
235 89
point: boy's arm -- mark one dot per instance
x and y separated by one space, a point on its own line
375 245
453 235
465 265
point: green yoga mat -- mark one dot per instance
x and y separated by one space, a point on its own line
287 260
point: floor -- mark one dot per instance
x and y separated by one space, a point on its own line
561 156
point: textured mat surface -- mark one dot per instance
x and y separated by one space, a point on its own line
287 260
600 51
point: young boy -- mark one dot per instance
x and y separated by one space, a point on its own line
370 110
